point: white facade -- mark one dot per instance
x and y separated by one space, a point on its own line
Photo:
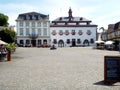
85 32
33 29
83 37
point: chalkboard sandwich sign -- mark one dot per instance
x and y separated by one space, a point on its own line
112 68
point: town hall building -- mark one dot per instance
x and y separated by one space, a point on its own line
72 31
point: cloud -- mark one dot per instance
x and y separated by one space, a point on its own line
100 12
13 10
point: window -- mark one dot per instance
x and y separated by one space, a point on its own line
39 42
80 32
21 24
44 24
60 32
33 24
91 40
39 17
33 30
21 42
45 31
68 41
89 32
21 31
54 41
39 24
66 32
39 31
45 41
27 41
73 32
78 41
54 32
27 24
27 17
33 17
27 31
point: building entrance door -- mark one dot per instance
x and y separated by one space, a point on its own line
33 42
61 43
73 42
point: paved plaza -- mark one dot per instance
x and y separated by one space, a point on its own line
75 68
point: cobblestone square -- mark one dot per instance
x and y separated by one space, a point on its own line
75 68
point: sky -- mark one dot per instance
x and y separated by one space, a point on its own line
101 12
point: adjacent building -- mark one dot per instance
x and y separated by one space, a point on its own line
113 33
72 31
33 29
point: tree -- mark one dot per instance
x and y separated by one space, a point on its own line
8 35
3 20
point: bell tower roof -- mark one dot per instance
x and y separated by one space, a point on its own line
70 14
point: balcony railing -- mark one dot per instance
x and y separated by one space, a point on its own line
33 36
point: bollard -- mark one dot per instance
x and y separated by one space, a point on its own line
9 55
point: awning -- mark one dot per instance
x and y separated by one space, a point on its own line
109 42
2 42
99 41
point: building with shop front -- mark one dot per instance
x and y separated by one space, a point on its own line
72 31
113 34
33 29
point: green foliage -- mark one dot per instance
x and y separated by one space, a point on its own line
11 46
8 35
3 20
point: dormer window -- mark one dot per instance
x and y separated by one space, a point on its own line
88 23
55 23
60 18
66 23
27 17
77 23
81 18
33 17
39 17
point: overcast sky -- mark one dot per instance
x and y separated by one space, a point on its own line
101 12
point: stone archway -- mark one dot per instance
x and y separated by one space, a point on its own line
60 43
86 42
